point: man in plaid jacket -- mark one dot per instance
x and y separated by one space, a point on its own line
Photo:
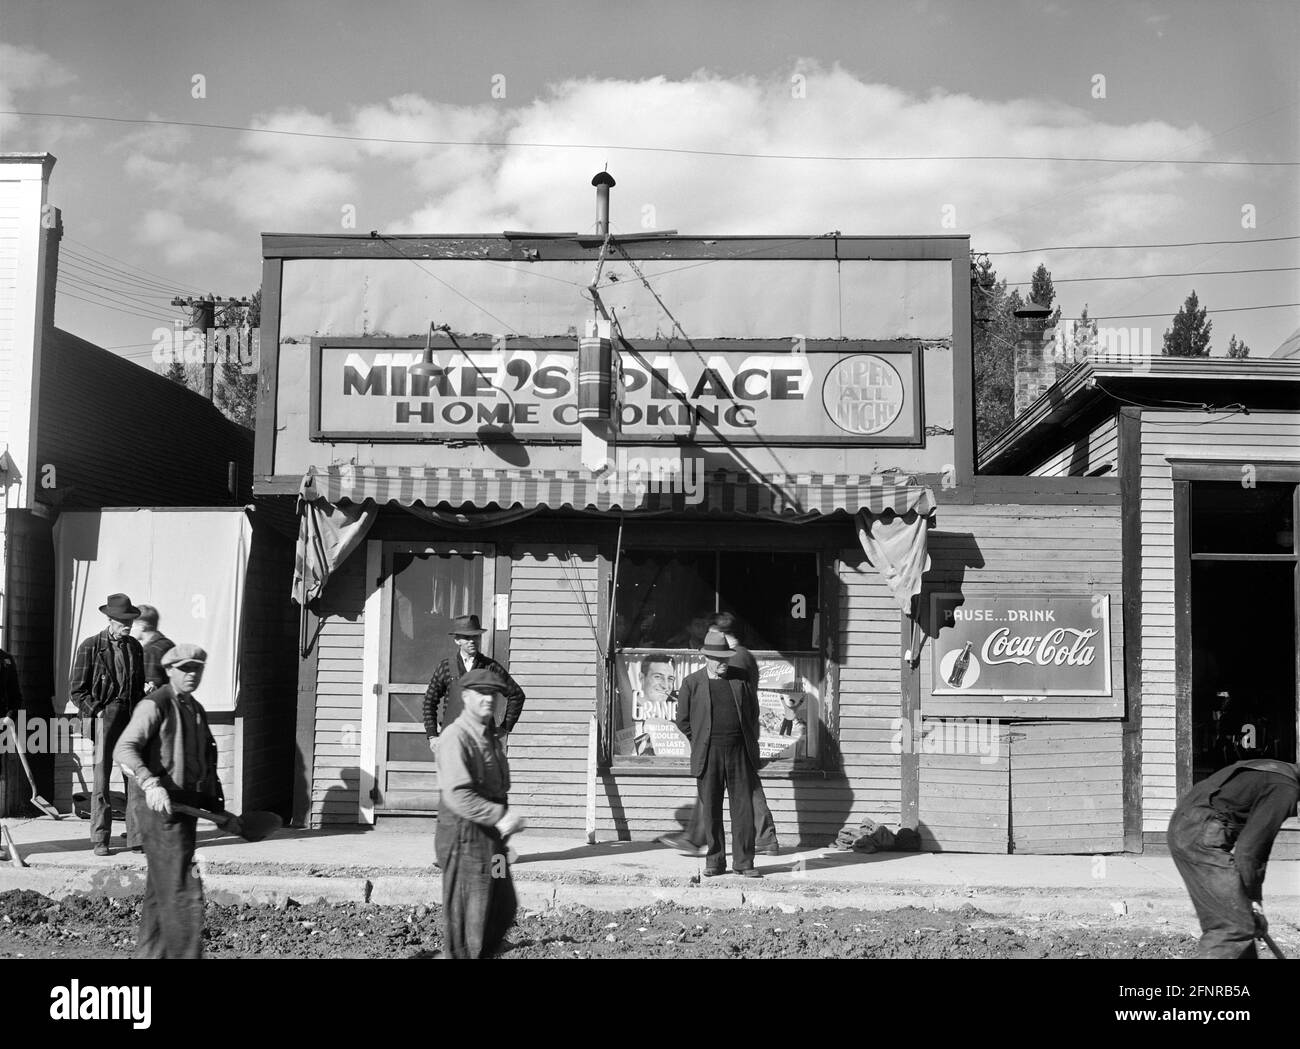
107 682
445 685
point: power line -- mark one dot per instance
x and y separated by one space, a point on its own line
131 265
78 277
1131 247
1210 312
643 149
108 293
103 269
1153 276
106 306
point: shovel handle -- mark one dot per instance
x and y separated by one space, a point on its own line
221 819
1277 951
22 753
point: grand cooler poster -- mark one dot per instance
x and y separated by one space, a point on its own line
789 702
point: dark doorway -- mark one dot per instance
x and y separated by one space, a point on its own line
1243 662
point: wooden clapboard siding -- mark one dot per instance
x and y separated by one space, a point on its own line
1067 786
966 799
1086 456
1261 435
963 804
869 679
337 752
554 606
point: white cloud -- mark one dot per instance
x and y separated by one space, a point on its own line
179 243
24 70
290 182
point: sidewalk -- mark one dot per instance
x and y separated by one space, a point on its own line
393 867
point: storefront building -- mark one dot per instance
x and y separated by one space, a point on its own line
1207 455
784 407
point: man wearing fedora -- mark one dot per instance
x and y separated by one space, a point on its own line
718 713
465 631
691 840
107 682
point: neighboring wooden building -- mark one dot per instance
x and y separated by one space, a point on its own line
85 430
1207 453
464 490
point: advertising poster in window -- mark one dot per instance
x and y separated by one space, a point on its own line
646 709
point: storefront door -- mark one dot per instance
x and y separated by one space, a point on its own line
425 586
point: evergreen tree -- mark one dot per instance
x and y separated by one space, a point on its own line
1190 335
1043 293
1084 343
176 372
1237 350
993 344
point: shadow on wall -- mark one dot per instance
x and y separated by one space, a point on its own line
822 806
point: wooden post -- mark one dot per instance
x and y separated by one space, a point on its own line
591 780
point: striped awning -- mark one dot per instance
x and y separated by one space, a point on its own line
717 492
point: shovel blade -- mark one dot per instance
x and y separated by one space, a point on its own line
46 807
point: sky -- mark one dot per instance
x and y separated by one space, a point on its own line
820 98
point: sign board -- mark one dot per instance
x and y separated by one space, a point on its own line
1021 655
789 704
838 392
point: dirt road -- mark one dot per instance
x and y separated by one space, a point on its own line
33 926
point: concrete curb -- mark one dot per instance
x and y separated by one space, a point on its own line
536 894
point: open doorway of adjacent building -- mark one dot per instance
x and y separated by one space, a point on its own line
1243 663
1241 580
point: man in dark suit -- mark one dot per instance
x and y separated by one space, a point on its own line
107 682
719 715
691 840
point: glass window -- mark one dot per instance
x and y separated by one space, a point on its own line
1229 518
774 596
429 590
665 600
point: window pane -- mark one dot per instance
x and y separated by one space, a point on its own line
409 746
775 597
429 590
406 708
664 600
1228 518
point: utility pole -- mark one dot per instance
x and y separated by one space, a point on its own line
203 318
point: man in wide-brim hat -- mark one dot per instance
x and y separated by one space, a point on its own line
445 685
718 713
107 682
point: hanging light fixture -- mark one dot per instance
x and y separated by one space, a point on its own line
427 367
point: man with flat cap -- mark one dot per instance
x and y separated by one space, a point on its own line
1220 836
474 823
107 682
168 751
444 688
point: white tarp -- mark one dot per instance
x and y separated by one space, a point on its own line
189 564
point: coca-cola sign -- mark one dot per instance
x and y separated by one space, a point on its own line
1021 647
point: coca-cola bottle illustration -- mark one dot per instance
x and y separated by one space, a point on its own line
960 667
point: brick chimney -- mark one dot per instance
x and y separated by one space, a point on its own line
1035 361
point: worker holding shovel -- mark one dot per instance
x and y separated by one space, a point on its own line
167 749
1220 836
